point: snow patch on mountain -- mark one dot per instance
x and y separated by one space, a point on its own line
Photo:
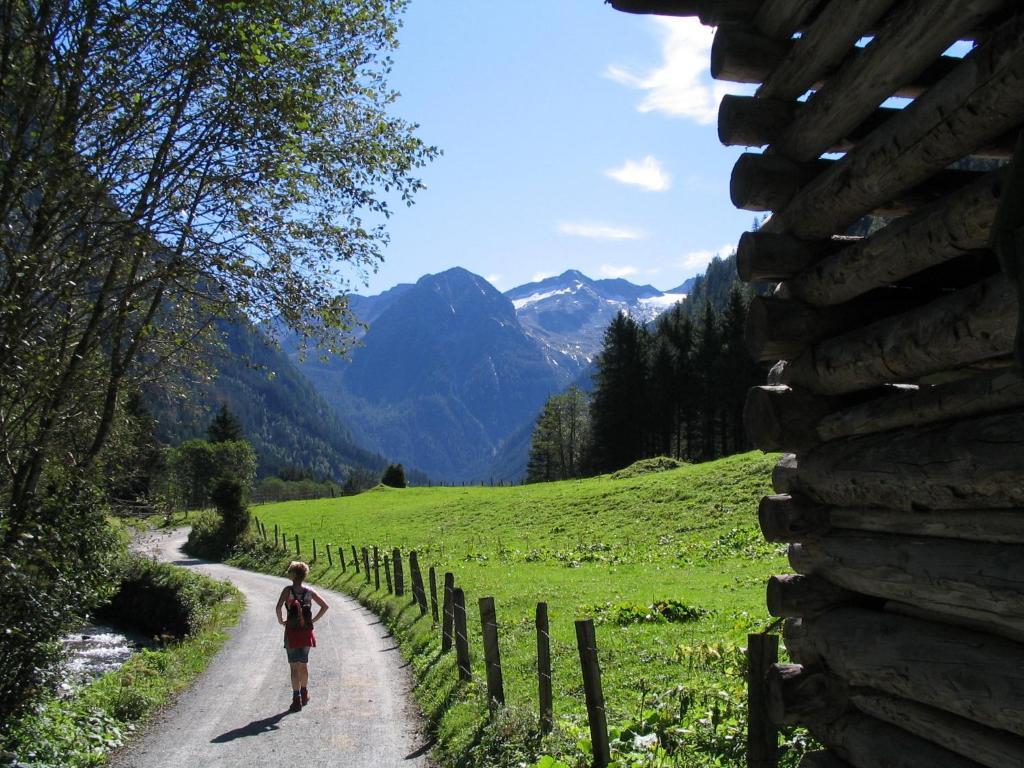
534 298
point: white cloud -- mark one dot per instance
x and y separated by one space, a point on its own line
698 260
648 174
680 85
596 231
538 276
494 279
610 270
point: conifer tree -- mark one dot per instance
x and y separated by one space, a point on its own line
706 357
394 476
224 427
740 371
619 406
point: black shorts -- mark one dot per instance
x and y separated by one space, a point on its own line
298 654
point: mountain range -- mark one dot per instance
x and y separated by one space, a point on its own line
450 369
447 377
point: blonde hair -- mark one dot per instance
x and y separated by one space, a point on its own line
298 567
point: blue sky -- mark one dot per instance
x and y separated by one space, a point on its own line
574 137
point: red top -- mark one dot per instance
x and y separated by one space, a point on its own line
299 638
303 637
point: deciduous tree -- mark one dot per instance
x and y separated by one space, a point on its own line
162 163
561 438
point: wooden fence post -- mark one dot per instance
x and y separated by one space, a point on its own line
341 557
387 572
298 552
544 670
276 545
396 564
366 564
314 550
492 658
433 595
330 560
419 594
586 642
447 612
376 568
461 638
762 733
355 558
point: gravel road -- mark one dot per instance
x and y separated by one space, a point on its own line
237 712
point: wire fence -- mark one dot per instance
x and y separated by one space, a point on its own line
449 614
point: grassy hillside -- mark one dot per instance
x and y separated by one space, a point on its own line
607 548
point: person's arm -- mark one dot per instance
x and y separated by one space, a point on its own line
280 602
323 606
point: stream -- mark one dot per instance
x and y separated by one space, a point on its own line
96 649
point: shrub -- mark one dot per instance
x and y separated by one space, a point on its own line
215 534
647 466
660 612
160 599
206 539
54 568
394 476
228 498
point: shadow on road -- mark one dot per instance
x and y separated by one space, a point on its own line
191 561
421 751
255 728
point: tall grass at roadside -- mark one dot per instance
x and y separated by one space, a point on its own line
670 564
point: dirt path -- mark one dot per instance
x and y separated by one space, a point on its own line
236 713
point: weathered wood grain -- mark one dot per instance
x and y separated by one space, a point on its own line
986 746
865 742
768 182
792 596
780 418
743 56
971 325
956 225
975 463
985 392
971 674
972 578
785 518
779 19
822 47
865 81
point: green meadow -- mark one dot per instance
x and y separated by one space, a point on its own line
669 564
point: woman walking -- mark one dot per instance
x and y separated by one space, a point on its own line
298 621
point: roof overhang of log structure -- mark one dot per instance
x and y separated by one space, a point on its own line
897 391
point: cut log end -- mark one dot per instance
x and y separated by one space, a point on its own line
800 695
791 595
770 257
778 418
784 519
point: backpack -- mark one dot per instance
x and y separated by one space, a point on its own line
300 610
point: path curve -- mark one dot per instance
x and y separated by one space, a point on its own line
236 713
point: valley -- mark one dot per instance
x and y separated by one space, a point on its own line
612 548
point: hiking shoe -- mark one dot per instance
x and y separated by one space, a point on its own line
305 698
296 705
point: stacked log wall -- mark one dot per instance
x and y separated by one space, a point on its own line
896 392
